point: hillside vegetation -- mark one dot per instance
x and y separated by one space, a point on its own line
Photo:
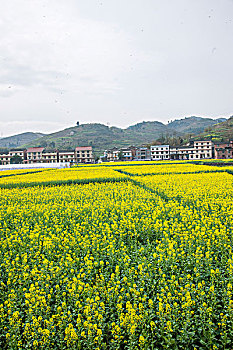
102 137
17 141
219 132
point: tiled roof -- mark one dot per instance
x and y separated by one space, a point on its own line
87 148
35 149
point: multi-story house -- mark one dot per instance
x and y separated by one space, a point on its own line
142 153
223 150
5 158
34 155
49 156
84 154
186 152
127 153
203 149
160 152
174 153
18 152
115 154
194 150
111 154
66 156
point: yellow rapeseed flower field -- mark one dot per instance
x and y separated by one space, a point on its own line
169 169
60 176
123 262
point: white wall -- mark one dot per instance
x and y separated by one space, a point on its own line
34 166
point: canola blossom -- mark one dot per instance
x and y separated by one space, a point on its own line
5 173
142 263
170 169
61 176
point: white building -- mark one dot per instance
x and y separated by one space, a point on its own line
18 152
67 156
5 158
112 155
203 149
84 155
174 153
34 155
194 150
186 152
34 166
49 156
160 152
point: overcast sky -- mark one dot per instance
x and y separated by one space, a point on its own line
113 61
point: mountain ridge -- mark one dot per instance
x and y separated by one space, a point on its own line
219 132
102 137
16 141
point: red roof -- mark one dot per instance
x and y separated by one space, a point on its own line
35 149
87 148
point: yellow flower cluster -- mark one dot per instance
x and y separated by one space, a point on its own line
141 162
59 176
144 263
214 186
4 173
169 168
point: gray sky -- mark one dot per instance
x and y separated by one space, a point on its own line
113 61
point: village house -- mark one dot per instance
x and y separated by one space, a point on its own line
49 156
34 155
174 153
127 153
111 155
84 155
194 150
18 152
186 152
142 153
41 155
223 150
160 152
5 158
203 149
116 154
66 156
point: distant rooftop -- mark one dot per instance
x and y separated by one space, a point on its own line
84 148
35 149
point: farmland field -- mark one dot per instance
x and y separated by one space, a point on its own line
117 257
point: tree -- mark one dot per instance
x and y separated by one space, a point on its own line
43 143
16 159
120 155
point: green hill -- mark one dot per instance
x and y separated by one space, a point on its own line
17 141
219 132
193 125
102 137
